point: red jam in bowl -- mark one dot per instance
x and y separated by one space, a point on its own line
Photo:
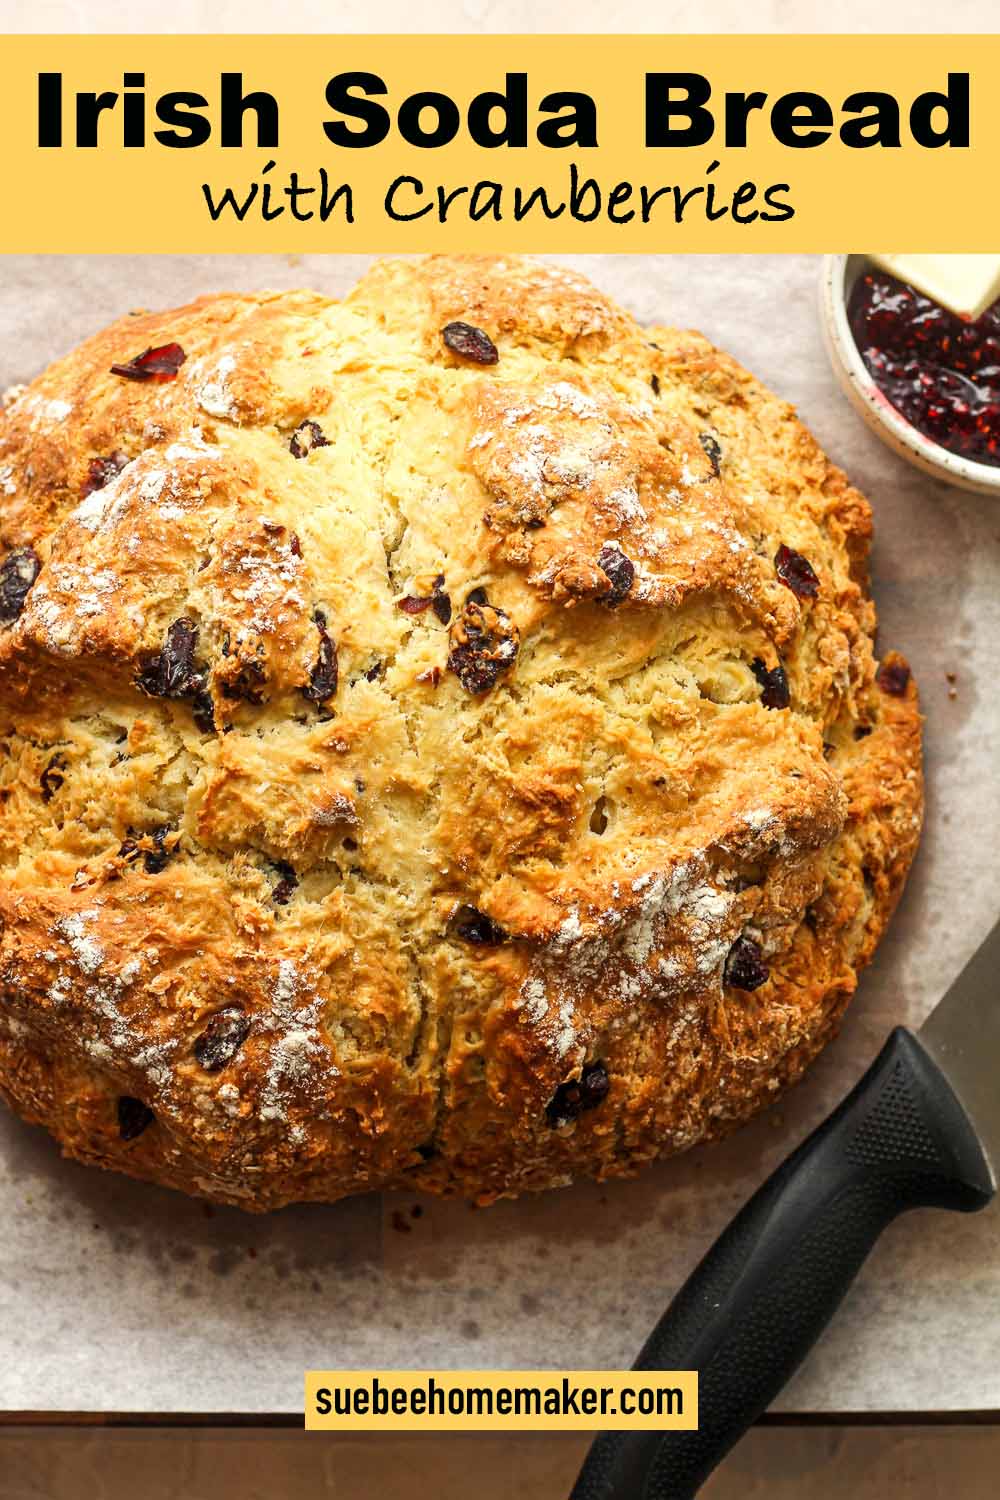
941 372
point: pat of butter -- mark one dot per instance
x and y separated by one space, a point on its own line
967 284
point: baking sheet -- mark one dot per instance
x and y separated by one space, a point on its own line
120 1297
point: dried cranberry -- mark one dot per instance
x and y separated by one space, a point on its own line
169 674
654 381
474 926
796 572
307 436
470 343
572 1098
203 708
172 673
745 968
128 850
161 363
619 569
155 859
438 600
594 1084
773 682
894 678
222 1038
322 682
441 602
133 1117
286 883
712 451
17 573
52 778
101 471
484 644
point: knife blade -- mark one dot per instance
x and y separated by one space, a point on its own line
962 1035
920 1129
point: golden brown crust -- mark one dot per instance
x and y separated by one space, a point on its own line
385 799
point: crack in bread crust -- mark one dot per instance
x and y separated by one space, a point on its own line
389 742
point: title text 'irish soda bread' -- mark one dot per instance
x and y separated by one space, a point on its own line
441 741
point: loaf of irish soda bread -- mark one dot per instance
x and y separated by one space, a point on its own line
441 742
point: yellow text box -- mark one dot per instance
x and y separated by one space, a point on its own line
111 196
500 1400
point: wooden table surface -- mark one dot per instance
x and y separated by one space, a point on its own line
773 1463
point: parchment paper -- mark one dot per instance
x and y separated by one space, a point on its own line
120 1297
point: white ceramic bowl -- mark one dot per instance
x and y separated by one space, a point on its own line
839 275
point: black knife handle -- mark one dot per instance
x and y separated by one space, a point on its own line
758 1301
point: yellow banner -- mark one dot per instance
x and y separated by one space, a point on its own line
501 1400
545 143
